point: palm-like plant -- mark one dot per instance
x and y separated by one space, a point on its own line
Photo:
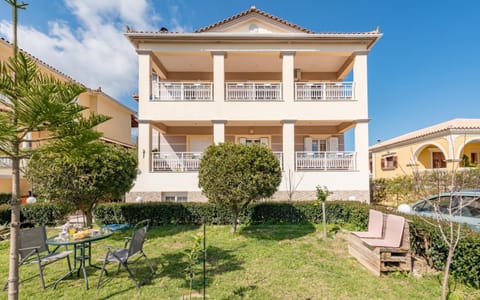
32 102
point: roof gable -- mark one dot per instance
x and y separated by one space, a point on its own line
254 20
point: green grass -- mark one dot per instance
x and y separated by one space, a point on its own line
259 262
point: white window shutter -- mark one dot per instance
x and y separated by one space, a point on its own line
242 140
307 144
264 141
332 144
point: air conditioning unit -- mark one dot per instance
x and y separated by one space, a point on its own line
298 74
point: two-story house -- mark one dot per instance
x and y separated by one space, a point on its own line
253 78
451 145
117 130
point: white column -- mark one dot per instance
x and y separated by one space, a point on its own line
218 76
218 131
361 145
144 146
288 145
144 79
360 81
288 65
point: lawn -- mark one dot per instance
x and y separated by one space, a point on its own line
259 262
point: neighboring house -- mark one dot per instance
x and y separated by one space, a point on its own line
117 130
449 145
253 78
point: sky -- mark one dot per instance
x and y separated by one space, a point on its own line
423 71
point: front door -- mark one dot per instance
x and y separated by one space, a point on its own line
438 160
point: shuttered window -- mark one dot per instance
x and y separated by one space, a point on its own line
389 162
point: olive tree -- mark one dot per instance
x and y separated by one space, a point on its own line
233 175
83 176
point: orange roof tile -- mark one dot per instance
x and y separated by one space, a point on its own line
455 124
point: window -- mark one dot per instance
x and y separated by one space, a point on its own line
475 157
174 197
253 140
389 162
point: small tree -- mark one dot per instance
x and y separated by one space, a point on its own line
233 175
322 195
84 176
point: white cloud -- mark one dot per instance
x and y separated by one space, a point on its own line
95 53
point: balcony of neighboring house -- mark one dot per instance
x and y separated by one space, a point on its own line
325 161
181 91
324 91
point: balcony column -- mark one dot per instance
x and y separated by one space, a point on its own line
144 146
218 76
361 145
144 79
218 131
288 145
360 80
288 78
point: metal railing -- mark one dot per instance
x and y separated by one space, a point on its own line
175 161
325 160
5 162
181 91
253 91
318 91
279 156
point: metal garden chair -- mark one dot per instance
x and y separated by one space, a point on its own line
133 248
34 250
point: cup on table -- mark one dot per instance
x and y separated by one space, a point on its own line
71 231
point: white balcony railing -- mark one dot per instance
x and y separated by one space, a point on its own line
253 91
318 91
5 162
279 156
325 160
181 91
175 161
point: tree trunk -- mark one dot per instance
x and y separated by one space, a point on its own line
324 219
14 231
88 217
234 221
446 273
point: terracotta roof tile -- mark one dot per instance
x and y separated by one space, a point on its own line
455 124
249 11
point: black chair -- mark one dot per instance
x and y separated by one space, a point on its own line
133 248
34 250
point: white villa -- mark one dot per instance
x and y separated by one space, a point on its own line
253 78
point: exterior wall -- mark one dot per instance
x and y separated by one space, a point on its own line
6 186
452 146
150 186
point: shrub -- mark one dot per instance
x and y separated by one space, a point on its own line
38 213
5 198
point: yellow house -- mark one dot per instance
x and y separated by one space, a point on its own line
117 130
449 145
253 78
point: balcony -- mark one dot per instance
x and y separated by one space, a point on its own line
175 161
325 161
253 91
181 91
321 91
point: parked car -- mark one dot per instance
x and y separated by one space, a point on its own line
465 207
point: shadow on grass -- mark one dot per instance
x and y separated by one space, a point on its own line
277 232
219 261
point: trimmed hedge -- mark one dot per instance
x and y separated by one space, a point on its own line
425 239
161 213
38 213
5 198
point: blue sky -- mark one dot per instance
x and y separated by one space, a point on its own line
424 70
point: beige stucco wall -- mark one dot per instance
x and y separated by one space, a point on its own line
421 152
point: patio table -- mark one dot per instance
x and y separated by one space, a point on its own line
79 253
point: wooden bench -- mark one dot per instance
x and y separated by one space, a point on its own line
391 252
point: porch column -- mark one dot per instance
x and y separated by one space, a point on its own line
218 76
144 146
218 131
288 80
144 79
360 81
361 145
288 144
